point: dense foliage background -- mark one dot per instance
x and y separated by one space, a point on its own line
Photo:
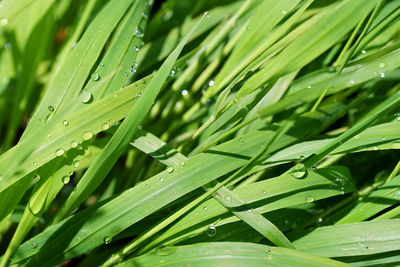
199 133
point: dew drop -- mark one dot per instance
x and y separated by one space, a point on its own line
182 163
363 51
60 152
101 64
74 45
382 65
172 73
164 251
147 186
105 126
50 108
4 21
211 83
87 135
139 127
85 96
139 32
211 230
382 75
184 92
309 86
396 145
76 163
205 208
125 73
95 77
107 240
207 14
35 163
136 48
65 122
34 245
299 171
264 192
161 179
36 178
170 169
139 95
310 199
283 12
65 179
74 144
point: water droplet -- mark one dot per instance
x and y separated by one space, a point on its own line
35 163
105 126
170 169
299 171
139 32
74 45
36 178
382 75
161 179
382 65
87 135
49 135
147 186
357 137
136 48
211 230
76 163
65 122
205 208
85 96
74 144
95 77
211 83
184 92
125 73
309 86
351 82
283 12
164 251
107 240
172 73
101 64
65 179
60 152
310 199
182 163
34 245
207 14
7 45
363 51
144 81
396 145
264 192
50 108
302 157
241 140
4 21
139 127
139 95
320 220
